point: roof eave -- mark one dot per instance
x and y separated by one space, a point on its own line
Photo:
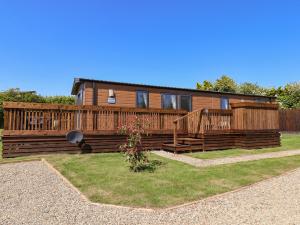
75 87
80 80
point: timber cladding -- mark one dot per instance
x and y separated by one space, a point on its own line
255 116
97 93
22 145
240 139
289 120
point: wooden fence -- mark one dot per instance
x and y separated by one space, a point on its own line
255 116
43 119
289 120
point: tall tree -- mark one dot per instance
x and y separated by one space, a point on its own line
206 86
289 97
250 88
225 84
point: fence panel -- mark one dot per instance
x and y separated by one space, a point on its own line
289 120
255 116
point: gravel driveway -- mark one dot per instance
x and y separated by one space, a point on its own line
31 193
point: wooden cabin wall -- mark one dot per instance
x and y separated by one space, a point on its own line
88 93
126 96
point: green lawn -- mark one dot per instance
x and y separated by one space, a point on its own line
288 142
106 178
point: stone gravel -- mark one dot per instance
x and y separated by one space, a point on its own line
226 160
32 193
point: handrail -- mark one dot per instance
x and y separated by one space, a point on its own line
50 106
188 114
183 117
207 120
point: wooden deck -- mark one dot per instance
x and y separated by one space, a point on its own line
225 140
41 128
245 125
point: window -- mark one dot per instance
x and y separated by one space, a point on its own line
142 99
185 102
168 101
224 103
79 97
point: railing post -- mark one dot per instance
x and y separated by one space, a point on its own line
89 120
175 133
6 123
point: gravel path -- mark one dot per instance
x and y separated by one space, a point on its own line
31 193
227 160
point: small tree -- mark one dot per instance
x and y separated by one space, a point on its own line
133 148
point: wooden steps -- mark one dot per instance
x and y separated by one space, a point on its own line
226 140
185 144
190 141
176 148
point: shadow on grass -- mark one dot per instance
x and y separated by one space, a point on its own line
149 167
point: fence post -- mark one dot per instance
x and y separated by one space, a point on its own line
89 120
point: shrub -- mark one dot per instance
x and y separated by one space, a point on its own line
133 149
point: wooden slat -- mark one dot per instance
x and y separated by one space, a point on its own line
45 118
27 145
289 120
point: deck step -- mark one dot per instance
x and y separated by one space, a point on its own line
176 148
196 147
190 141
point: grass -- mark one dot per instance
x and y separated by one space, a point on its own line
106 178
288 142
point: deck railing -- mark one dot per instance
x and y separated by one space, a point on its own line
36 118
243 116
216 120
202 121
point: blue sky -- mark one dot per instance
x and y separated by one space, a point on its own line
45 44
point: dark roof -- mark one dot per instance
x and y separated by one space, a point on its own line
78 81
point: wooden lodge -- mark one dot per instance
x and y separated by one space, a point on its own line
177 120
